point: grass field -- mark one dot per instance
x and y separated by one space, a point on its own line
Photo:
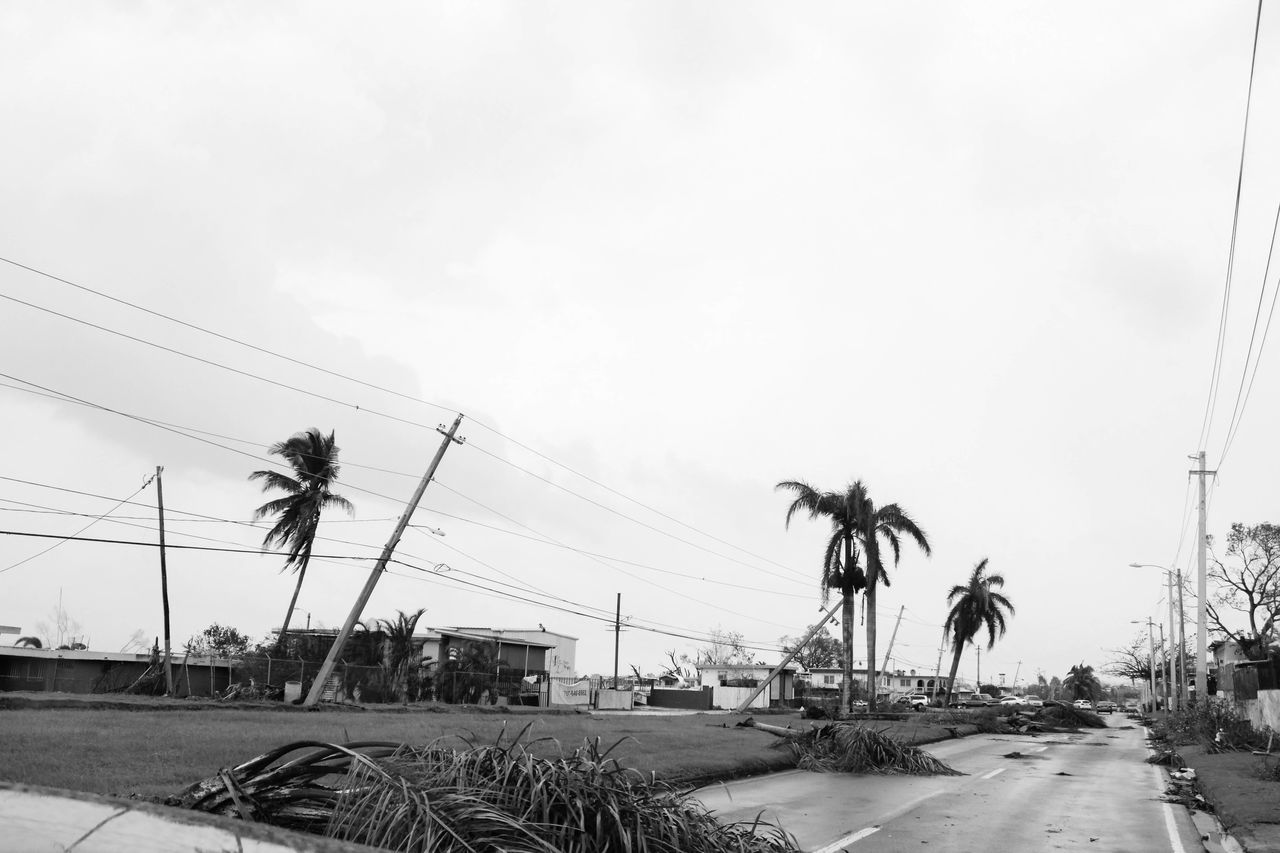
149 752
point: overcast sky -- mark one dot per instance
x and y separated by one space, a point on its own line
971 253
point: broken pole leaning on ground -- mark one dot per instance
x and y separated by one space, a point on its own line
326 668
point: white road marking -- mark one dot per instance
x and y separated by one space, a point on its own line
994 773
1038 749
848 839
1171 827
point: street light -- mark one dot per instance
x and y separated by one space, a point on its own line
1180 662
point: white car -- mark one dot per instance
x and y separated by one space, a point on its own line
1014 700
1084 704
1035 701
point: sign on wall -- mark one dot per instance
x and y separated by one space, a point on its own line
571 693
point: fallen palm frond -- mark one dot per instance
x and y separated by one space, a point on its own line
1062 714
438 799
849 748
1167 757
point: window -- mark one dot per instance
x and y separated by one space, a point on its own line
828 679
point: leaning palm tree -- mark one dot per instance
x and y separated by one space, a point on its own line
974 605
840 569
398 650
890 523
313 457
1081 683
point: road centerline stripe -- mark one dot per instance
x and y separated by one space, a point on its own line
994 773
851 838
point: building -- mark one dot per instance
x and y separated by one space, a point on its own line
88 671
889 685
733 684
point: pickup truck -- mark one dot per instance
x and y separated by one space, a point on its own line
977 700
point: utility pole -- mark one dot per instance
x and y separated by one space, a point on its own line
1178 665
813 632
164 585
1183 684
1015 676
1151 662
978 649
937 672
1163 669
617 636
884 667
326 668
1202 639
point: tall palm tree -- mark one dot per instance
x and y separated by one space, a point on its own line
313 457
974 605
398 650
890 523
1081 683
840 569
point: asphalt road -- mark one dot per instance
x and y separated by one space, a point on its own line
1090 791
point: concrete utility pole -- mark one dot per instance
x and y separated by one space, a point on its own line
164 585
326 668
617 636
800 645
1202 639
1178 665
1182 645
884 667
1151 661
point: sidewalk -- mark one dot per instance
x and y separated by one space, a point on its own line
35 819
1248 806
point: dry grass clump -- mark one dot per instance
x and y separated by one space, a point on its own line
482 799
846 748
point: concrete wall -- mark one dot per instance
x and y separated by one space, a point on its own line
614 700
696 700
728 698
1265 710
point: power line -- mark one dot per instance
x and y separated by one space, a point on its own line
78 532
1216 373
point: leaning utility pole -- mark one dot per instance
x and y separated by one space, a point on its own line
326 668
813 632
164 586
1202 639
884 667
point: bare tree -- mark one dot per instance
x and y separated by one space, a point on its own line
1248 583
1133 661
725 649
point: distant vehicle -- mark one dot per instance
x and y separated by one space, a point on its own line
1035 701
1106 706
977 700
1084 704
1014 700
1131 705
858 705
915 701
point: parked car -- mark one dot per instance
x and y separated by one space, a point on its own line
1106 706
1084 704
915 701
977 700
1035 701
1016 701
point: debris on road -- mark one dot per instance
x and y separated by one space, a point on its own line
851 748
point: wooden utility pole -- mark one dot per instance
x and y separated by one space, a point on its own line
326 668
617 634
164 585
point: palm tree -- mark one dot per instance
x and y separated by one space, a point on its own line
840 569
399 652
974 605
314 460
890 523
1081 683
